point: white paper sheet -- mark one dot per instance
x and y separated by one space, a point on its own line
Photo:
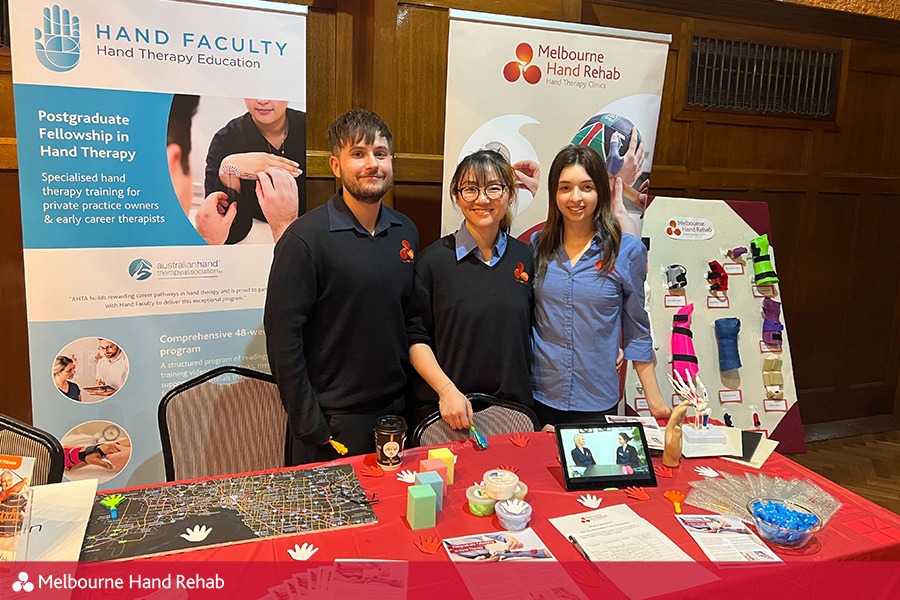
59 519
731 447
762 453
726 539
615 536
477 557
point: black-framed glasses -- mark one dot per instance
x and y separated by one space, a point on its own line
470 193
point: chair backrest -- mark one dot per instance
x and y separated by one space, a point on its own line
228 420
20 439
492 417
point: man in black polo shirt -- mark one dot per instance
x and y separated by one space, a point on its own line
340 283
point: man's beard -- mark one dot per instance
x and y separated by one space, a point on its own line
370 194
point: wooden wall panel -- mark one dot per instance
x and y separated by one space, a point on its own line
672 136
15 378
421 79
742 148
873 269
867 141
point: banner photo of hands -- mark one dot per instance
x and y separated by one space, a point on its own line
528 87
161 153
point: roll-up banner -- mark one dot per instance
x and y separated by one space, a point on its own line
528 87
130 116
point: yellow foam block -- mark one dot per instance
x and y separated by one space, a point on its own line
447 457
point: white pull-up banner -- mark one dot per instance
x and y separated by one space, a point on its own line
528 87
125 111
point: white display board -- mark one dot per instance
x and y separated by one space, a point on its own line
691 233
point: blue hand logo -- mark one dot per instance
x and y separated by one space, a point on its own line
58 45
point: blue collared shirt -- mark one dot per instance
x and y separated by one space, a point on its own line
341 218
466 244
578 318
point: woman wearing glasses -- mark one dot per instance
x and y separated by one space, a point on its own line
589 291
470 329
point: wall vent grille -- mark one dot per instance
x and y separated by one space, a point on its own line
738 76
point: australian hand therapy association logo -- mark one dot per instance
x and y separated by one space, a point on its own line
140 269
57 43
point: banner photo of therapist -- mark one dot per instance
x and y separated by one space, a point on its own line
161 155
528 87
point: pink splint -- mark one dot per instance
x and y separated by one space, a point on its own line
684 359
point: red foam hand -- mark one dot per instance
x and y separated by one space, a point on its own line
428 544
519 440
371 471
637 493
663 471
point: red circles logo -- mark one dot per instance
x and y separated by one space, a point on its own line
673 229
407 254
522 66
520 274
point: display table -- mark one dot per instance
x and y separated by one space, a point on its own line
860 531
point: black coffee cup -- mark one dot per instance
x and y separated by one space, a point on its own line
390 437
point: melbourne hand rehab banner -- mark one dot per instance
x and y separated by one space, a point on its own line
528 87
140 127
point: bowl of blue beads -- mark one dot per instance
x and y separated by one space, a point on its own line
784 523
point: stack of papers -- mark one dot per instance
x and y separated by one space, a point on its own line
612 538
347 578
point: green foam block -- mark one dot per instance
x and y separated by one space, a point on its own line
421 506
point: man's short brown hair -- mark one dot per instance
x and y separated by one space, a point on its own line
355 126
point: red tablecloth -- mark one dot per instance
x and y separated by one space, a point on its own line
832 563
861 530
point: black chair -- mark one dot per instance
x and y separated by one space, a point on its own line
228 420
20 439
492 416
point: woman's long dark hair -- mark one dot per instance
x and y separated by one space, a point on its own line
482 166
604 222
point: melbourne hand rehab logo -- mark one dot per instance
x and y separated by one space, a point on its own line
58 44
21 584
522 66
689 228
140 269
562 66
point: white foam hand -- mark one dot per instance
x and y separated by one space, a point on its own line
197 533
590 501
407 476
303 552
515 506
479 483
706 472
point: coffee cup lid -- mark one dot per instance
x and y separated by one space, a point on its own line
390 424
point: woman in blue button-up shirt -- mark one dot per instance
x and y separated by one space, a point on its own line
589 291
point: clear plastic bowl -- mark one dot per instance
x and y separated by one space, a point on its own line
778 535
